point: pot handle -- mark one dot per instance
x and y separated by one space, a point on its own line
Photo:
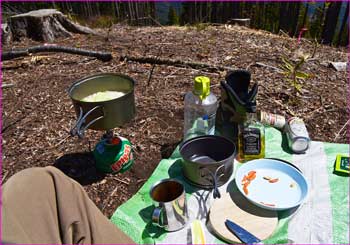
215 178
79 128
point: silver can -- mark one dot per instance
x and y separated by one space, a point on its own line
273 120
297 135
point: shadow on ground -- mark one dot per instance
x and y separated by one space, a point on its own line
80 167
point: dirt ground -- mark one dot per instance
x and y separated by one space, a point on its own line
38 113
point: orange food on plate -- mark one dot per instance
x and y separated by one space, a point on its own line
273 180
251 175
247 179
245 189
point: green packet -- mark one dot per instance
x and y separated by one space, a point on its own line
342 164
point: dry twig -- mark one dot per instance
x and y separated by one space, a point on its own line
61 141
114 191
153 66
337 135
269 66
7 85
120 180
285 107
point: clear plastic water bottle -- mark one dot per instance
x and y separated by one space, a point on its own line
200 109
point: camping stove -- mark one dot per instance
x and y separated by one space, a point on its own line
113 154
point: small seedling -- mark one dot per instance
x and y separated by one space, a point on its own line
291 70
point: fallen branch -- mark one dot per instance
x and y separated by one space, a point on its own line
173 62
9 55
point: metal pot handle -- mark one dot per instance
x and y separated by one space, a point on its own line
215 178
79 128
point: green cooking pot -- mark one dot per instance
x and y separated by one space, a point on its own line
102 115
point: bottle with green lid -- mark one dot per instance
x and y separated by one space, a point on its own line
200 109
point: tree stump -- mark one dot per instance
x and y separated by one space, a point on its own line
6 34
241 22
43 25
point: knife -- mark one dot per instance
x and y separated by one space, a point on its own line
242 234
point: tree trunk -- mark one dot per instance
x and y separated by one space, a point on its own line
330 22
200 12
8 55
265 18
283 23
115 8
214 8
295 17
305 15
137 5
44 25
343 24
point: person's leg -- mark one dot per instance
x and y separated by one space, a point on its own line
42 205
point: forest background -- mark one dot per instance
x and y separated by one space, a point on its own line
324 21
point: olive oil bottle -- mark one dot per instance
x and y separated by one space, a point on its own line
251 137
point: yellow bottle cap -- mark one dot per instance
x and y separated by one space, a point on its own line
201 86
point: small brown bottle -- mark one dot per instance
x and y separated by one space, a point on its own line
251 137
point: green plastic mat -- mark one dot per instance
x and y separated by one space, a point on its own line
324 218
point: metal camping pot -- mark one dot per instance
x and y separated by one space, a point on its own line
102 115
208 161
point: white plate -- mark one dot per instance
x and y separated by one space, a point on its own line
289 191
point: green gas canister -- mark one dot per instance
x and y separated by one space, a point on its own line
113 155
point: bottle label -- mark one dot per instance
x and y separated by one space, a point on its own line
123 159
251 141
273 120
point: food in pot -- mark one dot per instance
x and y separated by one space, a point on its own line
103 96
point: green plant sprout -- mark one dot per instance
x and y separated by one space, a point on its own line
291 70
